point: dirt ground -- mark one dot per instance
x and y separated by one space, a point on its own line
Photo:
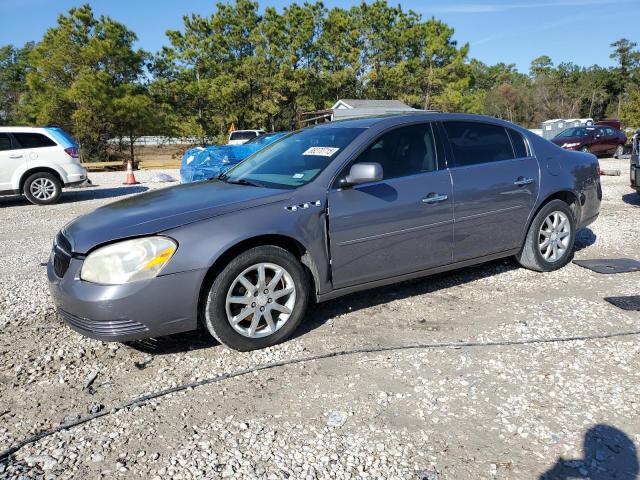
564 409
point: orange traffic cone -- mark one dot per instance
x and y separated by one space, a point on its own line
131 178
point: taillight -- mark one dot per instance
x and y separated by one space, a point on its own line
73 152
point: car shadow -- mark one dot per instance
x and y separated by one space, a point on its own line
178 343
321 313
584 238
632 199
608 454
77 195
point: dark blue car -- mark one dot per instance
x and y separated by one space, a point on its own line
204 163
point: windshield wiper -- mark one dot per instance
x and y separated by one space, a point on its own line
242 181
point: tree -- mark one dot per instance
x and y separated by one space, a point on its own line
628 63
630 111
135 114
76 72
13 70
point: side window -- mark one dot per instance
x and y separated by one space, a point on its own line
610 132
5 142
475 142
403 151
33 140
519 144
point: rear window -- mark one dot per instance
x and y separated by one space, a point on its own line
519 144
475 142
243 135
33 140
5 142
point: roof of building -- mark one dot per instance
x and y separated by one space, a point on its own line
346 103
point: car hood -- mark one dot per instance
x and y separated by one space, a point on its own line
163 209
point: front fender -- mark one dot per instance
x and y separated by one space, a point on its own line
202 243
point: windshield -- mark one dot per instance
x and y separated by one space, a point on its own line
295 160
574 132
264 138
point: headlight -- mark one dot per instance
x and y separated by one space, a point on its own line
128 261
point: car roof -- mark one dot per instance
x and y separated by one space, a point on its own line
22 129
400 118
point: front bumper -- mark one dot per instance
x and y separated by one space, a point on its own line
151 308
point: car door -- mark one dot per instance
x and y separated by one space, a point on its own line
611 140
401 224
10 160
599 145
495 187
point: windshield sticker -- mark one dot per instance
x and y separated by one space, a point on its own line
321 151
298 175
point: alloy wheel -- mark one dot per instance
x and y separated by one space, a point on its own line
554 236
260 300
42 188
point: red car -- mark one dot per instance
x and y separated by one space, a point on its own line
599 140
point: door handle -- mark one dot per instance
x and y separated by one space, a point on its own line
434 198
15 156
523 181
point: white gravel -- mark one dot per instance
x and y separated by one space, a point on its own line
510 412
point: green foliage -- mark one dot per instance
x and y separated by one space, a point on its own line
258 68
77 74
13 70
630 111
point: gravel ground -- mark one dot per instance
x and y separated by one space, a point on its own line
570 409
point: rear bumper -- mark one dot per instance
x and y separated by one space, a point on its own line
161 306
74 173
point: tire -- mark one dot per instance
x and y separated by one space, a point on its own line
619 152
245 336
585 149
533 255
42 188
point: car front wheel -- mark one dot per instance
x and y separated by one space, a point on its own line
258 300
42 188
549 242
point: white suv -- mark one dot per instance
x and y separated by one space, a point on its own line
239 137
38 162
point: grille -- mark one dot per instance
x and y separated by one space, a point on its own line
60 263
112 328
61 255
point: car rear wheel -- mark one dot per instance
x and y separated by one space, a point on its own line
585 149
549 242
619 152
258 299
42 188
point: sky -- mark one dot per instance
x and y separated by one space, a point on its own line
509 31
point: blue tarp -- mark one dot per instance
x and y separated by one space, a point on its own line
204 163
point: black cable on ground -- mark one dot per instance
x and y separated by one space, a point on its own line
142 400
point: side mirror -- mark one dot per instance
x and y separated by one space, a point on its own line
363 173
